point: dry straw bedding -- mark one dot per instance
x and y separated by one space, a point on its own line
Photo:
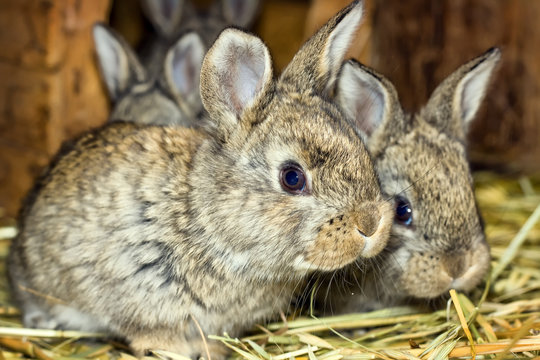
499 320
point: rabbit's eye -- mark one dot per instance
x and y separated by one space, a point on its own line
292 179
403 212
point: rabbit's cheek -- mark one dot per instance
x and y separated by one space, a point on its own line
346 237
336 245
424 276
429 275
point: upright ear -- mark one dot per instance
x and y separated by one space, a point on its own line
455 102
317 63
119 65
182 71
165 15
240 13
368 99
236 76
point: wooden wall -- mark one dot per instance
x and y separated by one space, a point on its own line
49 86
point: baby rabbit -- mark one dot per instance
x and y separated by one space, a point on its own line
437 241
163 88
169 97
147 232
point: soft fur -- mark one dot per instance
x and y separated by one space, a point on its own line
421 158
145 231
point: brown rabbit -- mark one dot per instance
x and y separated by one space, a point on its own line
144 231
168 97
437 240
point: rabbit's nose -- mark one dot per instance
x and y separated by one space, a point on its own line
455 264
373 222
471 268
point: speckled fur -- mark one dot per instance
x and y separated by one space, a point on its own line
142 231
422 158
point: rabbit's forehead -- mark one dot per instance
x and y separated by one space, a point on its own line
317 142
435 177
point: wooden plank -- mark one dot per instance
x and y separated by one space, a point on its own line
50 88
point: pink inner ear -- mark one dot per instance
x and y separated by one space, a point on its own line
363 122
165 7
239 12
370 110
246 79
184 73
234 75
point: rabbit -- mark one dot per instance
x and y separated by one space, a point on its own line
437 240
170 97
162 87
148 232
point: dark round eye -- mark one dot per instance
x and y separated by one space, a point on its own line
403 212
292 178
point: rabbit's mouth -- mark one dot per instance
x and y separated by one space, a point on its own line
430 275
467 281
361 233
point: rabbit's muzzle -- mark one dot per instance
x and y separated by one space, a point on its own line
429 274
362 232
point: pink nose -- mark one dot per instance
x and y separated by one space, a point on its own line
455 265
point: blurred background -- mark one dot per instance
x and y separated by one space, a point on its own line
50 88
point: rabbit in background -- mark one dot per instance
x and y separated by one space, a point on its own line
437 241
173 18
170 97
160 86
146 231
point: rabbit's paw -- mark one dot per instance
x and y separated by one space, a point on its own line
194 349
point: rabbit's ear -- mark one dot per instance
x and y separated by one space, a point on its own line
183 68
165 15
368 99
236 75
119 65
318 62
460 95
240 13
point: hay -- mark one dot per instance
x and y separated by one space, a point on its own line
502 320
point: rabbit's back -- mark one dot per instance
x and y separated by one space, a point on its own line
107 196
124 225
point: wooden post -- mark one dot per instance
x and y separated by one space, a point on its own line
50 88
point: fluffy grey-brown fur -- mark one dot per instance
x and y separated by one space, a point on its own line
142 230
420 159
